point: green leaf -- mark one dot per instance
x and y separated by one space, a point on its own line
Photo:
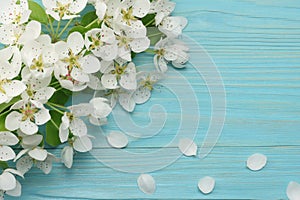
52 132
79 29
61 97
37 12
4 106
3 165
154 35
148 19
2 122
88 18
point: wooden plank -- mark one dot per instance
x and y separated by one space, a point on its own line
255 45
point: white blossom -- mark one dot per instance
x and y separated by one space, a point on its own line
170 50
116 75
27 116
172 26
11 34
128 42
9 183
102 43
162 9
14 12
64 9
10 66
145 86
40 56
74 67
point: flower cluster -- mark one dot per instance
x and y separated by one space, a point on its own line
50 52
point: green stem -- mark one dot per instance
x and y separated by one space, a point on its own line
150 51
51 26
53 122
57 110
150 22
58 106
4 113
90 24
57 28
153 35
54 83
65 28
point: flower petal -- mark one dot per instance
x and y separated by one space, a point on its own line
31 141
141 95
7 181
206 184
38 154
117 139
78 127
16 192
82 144
13 120
8 138
63 133
28 127
6 153
75 42
293 191
67 156
42 116
146 183
90 64
256 162
187 147
45 166
14 88
126 101
109 81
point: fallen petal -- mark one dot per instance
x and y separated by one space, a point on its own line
117 139
146 183
206 185
256 162
187 147
293 191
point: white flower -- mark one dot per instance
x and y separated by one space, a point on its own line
64 9
115 75
172 26
123 97
25 163
28 116
8 182
128 42
11 34
7 139
145 86
100 110
170 50
129 11
74 67
102 43
72 123
10 66
82 144
162 9
34 82
14 12
40 56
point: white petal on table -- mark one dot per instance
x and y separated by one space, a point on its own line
256 162
117 139
16 192
293 191
146 183
6 153
187 147
206 185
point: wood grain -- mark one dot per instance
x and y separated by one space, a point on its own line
256 46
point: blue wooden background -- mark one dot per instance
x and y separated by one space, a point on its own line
256 46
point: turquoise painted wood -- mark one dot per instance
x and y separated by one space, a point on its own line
256 46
